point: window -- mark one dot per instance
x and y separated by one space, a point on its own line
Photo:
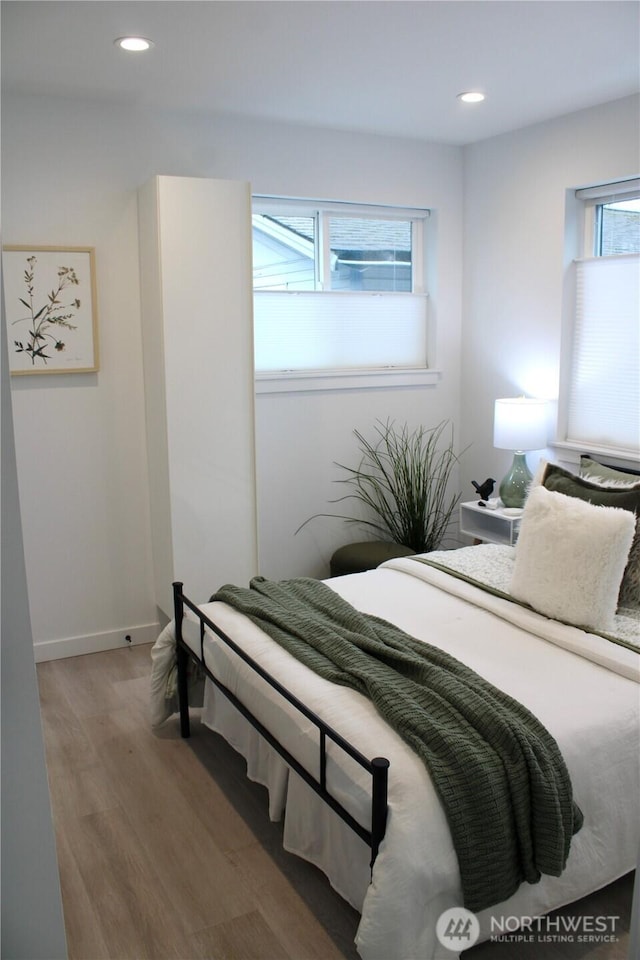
611 220
338 289
618 227
601 388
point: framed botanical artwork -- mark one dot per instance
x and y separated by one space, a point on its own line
50 309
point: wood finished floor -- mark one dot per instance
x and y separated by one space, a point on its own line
166 849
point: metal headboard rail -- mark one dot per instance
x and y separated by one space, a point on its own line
378 767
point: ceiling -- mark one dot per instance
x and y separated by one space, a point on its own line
388 66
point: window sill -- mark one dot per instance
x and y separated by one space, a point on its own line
310 380
571 452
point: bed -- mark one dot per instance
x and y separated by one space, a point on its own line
379 830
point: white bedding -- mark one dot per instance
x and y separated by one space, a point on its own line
592 711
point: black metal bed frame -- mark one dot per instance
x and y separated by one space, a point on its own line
377 767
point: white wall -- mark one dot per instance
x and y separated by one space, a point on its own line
71 170
70 175
514 257
32 920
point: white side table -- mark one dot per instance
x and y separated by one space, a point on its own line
490 526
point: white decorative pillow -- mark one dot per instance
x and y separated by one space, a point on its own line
570 558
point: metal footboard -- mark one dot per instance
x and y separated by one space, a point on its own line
378 767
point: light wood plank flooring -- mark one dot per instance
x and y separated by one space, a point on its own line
166 849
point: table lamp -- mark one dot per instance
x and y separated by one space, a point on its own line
519 424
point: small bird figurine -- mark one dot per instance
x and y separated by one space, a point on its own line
484 490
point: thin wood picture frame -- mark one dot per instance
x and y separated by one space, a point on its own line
50 309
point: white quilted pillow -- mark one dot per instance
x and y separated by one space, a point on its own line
570 558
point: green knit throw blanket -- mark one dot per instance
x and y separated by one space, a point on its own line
499 773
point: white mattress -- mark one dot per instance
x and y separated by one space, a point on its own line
592 711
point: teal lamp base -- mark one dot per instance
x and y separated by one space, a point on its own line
514 487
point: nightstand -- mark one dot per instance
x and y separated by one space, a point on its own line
490 526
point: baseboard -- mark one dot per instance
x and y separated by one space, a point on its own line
95 642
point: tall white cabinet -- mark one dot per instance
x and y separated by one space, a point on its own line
197 323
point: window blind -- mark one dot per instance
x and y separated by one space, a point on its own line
604 391
339 331
292 207
608 192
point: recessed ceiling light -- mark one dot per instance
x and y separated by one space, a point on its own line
472 96
133 44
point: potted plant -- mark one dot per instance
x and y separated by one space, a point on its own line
403 481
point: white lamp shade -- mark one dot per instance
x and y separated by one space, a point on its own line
520 423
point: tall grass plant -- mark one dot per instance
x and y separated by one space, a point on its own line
403 484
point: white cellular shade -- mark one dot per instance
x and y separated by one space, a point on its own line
610 191
520 423
604 392
338 331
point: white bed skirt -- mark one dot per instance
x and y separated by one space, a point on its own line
311 828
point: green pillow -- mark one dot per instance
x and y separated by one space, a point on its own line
562 481
626 498
599 473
